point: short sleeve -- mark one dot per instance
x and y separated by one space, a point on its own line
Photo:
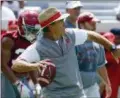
70 33
30 54
80 36
102 59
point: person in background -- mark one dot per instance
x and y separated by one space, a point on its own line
91 59
13 43
21 4
73 8
113 70
58 44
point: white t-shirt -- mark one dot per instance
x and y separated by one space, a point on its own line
31 54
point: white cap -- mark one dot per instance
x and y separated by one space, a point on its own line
73 4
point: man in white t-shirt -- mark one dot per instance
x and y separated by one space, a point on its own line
58 44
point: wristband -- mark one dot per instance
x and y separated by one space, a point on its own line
113 47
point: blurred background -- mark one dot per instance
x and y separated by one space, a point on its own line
103 9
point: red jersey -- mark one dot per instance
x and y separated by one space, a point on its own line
3 32
113 70
20 44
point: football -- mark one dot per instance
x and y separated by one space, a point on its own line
47 75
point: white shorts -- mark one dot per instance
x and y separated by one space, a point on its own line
93 91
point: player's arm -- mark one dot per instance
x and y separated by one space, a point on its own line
103 73
23 62
6 47
105 79
29 60
20 65
101 68
82 35
99 39
106 43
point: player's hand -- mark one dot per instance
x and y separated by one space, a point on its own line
108 91
23 90
116 54
43 63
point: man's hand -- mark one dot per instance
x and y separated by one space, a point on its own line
108 91
45 62
20 65
116 54
42 64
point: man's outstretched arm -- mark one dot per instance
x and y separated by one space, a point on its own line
93 36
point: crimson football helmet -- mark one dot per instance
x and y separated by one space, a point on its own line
109 36
28 24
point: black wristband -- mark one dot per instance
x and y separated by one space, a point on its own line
113 47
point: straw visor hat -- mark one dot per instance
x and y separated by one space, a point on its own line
49 16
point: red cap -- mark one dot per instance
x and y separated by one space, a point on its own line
86 17
109 36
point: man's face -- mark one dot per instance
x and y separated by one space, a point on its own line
91 25
74 13
57 29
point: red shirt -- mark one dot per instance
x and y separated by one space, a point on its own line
114 74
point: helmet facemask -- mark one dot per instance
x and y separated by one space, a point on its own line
30 32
